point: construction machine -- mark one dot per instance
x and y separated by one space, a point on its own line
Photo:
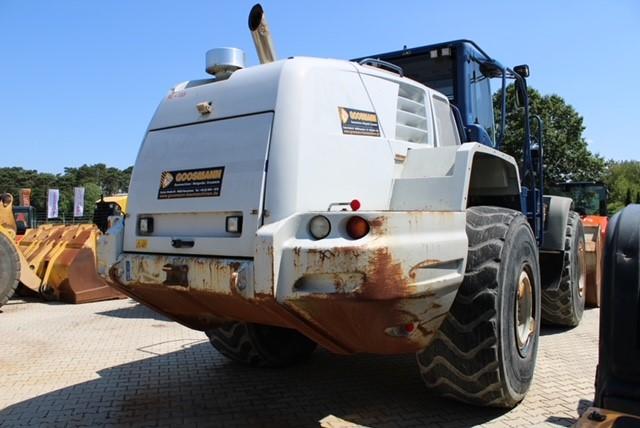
590 201
55 262
316 201
617 397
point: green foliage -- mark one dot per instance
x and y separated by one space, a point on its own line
622 179
97 179
566 154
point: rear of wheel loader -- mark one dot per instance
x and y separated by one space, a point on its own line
54 261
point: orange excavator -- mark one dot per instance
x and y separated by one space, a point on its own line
590 201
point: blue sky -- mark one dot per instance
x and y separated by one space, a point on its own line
81 79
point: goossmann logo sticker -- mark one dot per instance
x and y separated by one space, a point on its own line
191 183
359 122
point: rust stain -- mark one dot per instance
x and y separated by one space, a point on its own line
357 325
423 264
340 320
384 279
378 225
326 254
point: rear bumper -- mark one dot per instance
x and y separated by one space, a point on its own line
385 293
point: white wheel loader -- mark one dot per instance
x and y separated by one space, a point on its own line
316 201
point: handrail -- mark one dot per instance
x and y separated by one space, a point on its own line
380 63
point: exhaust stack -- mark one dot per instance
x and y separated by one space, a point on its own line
261 35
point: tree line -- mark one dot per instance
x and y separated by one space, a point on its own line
97 180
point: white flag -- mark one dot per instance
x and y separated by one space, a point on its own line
52 203
78 201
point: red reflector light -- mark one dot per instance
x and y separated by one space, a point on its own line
357 227
355 205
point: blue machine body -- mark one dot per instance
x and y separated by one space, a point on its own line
462 71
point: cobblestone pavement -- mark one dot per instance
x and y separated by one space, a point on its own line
117 363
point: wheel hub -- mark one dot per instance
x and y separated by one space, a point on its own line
524 324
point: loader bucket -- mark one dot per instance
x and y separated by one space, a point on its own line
63 257
594 234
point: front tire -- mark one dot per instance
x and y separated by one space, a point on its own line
261 345
485 350
564 306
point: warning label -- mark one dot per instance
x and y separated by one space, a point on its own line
191 183
359 122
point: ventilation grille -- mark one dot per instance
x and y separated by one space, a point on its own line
411 117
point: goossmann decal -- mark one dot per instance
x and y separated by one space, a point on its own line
191 183
359 122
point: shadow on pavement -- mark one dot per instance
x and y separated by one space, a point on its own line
582 406
196 386
548 330
562 421
22 300
137 311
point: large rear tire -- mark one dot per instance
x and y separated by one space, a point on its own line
564 305
485 350
261 345
9 269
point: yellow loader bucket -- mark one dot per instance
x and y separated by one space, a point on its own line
64 258
56 262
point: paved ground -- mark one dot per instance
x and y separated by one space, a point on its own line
117 363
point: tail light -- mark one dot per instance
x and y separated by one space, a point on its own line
319 227
145 225
357 227
233 224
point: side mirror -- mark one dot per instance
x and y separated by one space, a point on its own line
522 70
535 155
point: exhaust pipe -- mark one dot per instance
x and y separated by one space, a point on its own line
261 35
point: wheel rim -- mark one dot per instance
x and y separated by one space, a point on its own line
582 264
524 322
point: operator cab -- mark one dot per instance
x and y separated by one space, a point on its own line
588 198
25 218
461 71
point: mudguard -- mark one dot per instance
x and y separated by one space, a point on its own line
552 250
555 222
618 377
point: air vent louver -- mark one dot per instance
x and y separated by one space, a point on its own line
411 117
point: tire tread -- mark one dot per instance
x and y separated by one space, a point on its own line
463 360
558 306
